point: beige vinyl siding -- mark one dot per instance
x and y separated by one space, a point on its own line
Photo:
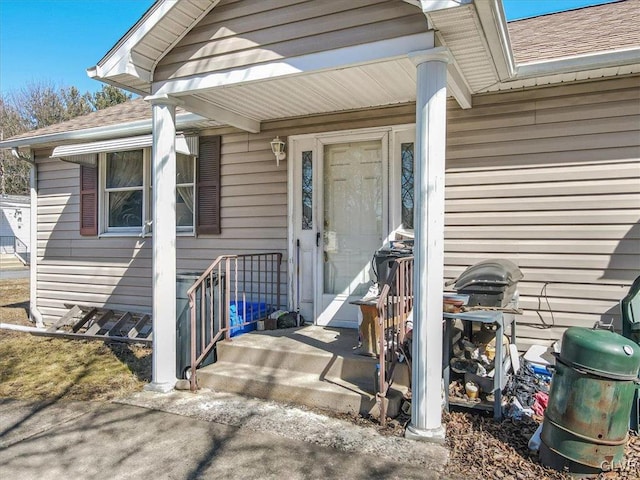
74 269
242 33
116 271
550 179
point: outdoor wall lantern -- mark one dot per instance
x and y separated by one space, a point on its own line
277 147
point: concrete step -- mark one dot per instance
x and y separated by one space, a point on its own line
310 366
287 386
9 261
298 358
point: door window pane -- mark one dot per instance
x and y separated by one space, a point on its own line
307 190
407 186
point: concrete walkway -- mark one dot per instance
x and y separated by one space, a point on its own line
214 436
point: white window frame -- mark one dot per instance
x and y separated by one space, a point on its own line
146 228
103 204
185 230
401 134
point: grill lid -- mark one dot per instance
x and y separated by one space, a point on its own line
494 274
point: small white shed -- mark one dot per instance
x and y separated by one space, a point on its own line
15 226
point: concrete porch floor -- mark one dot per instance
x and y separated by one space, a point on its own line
311 365
308 339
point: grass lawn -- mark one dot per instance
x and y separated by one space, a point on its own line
42 368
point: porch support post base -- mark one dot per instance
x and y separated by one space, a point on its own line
163 171
159 387
431 118
432 435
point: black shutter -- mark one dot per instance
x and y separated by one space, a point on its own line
208 186
88 200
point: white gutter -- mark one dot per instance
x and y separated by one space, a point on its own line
96 133
590 61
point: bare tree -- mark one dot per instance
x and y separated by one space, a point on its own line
14 173
39 105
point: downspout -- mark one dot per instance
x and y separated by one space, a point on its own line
34 314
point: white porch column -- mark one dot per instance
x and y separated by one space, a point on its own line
431 117
163 174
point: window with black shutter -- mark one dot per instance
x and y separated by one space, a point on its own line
122 186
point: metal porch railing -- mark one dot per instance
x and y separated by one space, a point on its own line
235 291
394 304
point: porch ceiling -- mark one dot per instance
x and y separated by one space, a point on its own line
378 84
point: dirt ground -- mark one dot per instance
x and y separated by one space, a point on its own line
48 369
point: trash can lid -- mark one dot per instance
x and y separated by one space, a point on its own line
601 352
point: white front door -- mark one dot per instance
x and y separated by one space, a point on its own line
352 227
339 219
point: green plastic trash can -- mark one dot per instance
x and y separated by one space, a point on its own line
586 422
630 309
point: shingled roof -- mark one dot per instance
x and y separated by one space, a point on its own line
130 111
599 28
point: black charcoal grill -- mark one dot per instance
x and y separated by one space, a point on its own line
490 283
385 256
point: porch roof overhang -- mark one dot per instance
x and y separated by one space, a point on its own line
363 76
372 74
377 74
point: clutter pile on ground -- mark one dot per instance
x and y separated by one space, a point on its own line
528 391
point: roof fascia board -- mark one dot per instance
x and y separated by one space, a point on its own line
363 54
122 57
494 23
219 114
96 133
590 61
118 58
196 20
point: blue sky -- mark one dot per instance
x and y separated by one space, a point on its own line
55 41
